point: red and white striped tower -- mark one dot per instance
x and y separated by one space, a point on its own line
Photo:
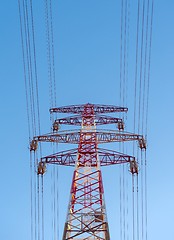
86 217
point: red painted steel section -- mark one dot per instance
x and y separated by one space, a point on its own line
106 157
87 187
103 136
81 108
99 120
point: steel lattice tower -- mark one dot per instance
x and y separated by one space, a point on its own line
86 218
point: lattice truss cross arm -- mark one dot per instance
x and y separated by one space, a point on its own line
102 137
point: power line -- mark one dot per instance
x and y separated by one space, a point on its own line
145 67
50 52
141 68
52 48
35 66
24 65
149 64
136 67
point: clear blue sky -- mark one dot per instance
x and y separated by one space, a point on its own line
87 35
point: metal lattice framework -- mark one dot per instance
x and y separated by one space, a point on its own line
79 109
106 157
101 136
86 218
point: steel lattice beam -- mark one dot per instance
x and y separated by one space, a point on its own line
106 157
99 120
80 109
102 137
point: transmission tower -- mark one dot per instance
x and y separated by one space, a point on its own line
86 217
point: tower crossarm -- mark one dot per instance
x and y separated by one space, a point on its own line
102 136
99 120
80 109
106 157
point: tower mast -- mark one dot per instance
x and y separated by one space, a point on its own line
86 218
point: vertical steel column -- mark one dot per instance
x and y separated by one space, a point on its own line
86 218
